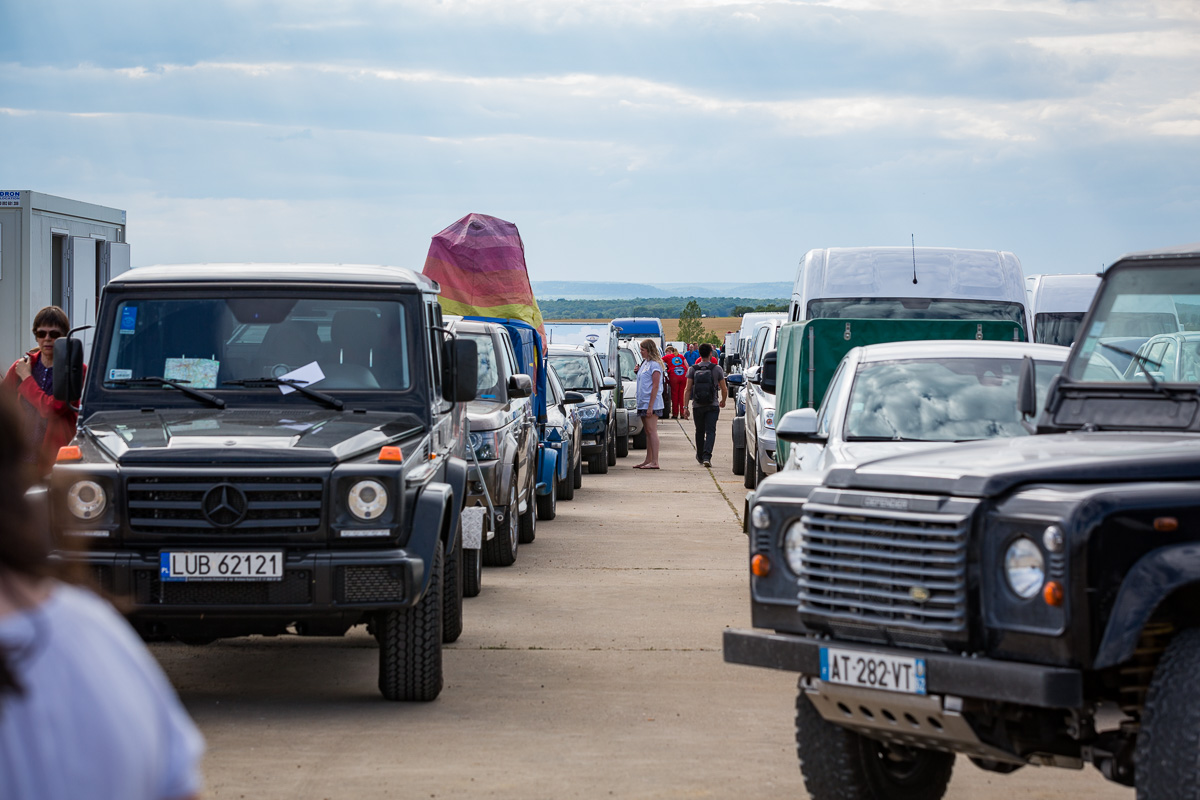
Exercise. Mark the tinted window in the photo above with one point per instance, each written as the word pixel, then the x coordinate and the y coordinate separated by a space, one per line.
pixel 489 368
pixel 915 308
pixel 1059 328
pixel 575 372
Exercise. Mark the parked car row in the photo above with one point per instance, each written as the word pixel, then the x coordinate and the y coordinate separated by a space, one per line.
pixel 983 547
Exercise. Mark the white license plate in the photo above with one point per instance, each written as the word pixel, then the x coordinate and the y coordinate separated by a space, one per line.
pixel 266 565
pixel 873 670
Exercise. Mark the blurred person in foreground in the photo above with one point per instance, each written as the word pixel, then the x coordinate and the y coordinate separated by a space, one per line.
pixel 85 710
pixel 49 423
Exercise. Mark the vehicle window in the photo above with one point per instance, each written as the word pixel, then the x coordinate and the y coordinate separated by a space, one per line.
pixel 510 356
pixel 575 372
pixel 1167 358
pixel 628 364
pixel 488 384
pixel 556 389
pixel 435 348
pixel 915 308
pixel 942 400
pixel 207 341
pixel 1132 306
pixel 760 341
pixel 825 412
pixel 1058 328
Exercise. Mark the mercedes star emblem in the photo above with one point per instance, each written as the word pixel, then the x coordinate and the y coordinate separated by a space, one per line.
pixel 224 505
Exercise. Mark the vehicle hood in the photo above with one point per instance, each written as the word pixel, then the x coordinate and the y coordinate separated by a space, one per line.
pixel 990 468
pixel 486 416
pixel 245 435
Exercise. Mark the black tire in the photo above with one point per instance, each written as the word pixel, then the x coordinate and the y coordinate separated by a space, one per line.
pixel 577 481
pixel 838 764
pixel 639 440
pixel 598 464
pixel 622 446
pixel 610 448
pixel 452 590
pixel 759 474
pixel 566 487
pixel 472 573
pixel 739 453
pixel 501 549
pixel 410 645
pixel 750 470
pixel 527 523
pixel 1168 745
pixel 547 504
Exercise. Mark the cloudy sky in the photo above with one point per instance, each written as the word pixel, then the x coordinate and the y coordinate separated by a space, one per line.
pixel 664 140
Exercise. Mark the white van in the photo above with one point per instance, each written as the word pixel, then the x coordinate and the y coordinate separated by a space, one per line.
pixel 1058 303
pixel 908 283
pixel 751 322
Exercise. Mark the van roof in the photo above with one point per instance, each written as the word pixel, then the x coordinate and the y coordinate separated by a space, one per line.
pixel 888 272
pixel 1058 293
pixel 277 273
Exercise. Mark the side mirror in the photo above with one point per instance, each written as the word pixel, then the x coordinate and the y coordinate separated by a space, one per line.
pixel 571 398
pixel 751 374
pixel 68 373
pixel 463 385
pixel 609 382
pixel 797 426
pixel 734 360
pixel 1027 388
pixel 520 386
pixel 735 380
pixel 766 372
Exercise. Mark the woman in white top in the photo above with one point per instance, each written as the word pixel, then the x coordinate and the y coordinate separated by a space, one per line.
pixel 85 710
pixel 650 399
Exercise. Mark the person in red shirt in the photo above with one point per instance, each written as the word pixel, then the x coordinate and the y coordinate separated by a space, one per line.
pixel 49 423
pixel 676 366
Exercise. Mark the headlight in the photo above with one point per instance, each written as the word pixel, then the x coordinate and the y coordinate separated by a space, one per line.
pixel 630 402
pixel 367 499
pixel 589 412
pixel 793 545
pixel 1024 567
pixel 760 517
pixel 769 418
pixel 486 445
pixel 86 499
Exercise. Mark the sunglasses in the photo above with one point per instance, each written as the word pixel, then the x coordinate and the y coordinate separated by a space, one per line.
pixel 42 334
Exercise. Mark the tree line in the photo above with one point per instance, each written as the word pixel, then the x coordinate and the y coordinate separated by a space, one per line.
pixel 661 307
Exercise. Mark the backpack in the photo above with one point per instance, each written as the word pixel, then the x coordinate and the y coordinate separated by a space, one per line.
pixel 703 386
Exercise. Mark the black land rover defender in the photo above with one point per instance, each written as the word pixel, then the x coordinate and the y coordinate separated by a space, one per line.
pixel 1023 601
pixel 273 448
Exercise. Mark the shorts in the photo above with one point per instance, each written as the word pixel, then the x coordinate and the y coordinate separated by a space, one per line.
pixel 645 412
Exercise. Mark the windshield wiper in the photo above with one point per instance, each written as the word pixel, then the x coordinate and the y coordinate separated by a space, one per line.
pixel 1141 359
pixel 182 386
pixel 299 386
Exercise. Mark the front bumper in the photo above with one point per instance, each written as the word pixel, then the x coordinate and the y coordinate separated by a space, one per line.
pixel 314 583
pixel 766 451
pixel 975 678
pixel 487 477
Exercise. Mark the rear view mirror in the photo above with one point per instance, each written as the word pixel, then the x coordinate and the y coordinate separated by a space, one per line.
pixel 68 373
pixel 766 374
pixel 797 426
pixel 571 398
pixel 519 386
pixel 464 371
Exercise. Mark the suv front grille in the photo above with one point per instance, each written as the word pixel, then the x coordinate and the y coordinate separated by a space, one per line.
pixel 272 505
pixel 880 574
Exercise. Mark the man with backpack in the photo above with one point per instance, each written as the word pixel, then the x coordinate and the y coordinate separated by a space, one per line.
pixel 704 380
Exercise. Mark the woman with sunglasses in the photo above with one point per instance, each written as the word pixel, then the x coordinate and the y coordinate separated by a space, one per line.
pixel 49 423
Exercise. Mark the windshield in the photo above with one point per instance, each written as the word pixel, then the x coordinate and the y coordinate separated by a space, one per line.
pixel 488 382
pixel 915 308
pixel 1058 328
pixel 1134 305
pixel 628 364
pixel 332 343
pixel 942 400
pixel 575 372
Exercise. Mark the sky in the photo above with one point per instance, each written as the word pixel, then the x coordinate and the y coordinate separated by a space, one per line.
pixel 667 140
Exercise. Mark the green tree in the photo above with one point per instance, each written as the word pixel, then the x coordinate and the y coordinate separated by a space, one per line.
pixel 690 329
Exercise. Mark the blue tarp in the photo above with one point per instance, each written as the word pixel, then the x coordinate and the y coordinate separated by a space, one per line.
pixel 527 343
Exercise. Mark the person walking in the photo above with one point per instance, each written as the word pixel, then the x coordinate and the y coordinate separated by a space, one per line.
pixel 85 710
pixel 676 367
pixel 49 423
pixel 704 381
pixel 650 400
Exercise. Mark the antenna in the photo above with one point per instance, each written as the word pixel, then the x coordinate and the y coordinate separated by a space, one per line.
pixel 914 252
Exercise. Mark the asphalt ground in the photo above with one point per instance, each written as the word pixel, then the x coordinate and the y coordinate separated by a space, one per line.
pixel 591 668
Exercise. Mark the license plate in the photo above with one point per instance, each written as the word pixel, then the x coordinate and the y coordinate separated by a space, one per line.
pixel 873 670
pixel 264 565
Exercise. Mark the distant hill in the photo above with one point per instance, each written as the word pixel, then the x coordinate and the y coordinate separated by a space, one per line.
pixel 598 290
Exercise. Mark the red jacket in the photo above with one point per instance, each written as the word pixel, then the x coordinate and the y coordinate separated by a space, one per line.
pixel 59 416
pixel 677 367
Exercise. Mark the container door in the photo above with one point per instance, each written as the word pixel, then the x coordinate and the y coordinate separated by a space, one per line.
pixel 82 289
pixel 114 260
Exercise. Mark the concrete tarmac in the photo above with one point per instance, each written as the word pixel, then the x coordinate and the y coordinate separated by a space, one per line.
pixel 591 668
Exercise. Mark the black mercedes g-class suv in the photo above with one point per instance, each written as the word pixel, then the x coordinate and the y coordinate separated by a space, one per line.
pixel 273 448
pixel 1021 601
